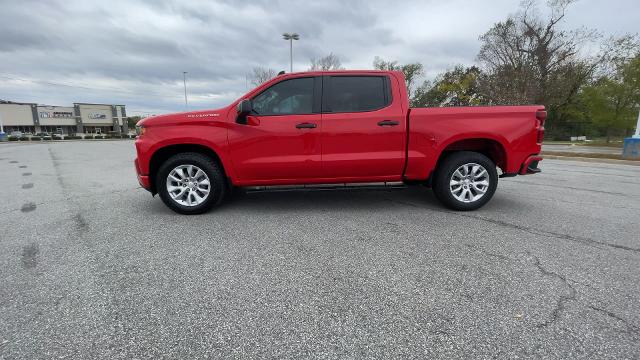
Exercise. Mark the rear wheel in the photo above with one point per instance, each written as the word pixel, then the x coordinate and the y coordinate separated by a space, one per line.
pixel 190 183
pixel 465 180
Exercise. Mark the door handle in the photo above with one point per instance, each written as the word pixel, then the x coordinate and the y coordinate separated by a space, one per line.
pixel 388 123
pixel 306 126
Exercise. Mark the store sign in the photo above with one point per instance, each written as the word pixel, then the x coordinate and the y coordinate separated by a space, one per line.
pixel 97 116
pixel 55 114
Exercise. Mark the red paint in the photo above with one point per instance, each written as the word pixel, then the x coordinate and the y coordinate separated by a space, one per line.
pixel 346 147
pixel 525 165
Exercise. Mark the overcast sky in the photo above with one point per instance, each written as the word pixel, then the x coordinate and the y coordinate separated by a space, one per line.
pixel 133 52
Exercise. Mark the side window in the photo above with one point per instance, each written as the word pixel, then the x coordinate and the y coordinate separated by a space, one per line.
pixel 358 93
pixel 294 96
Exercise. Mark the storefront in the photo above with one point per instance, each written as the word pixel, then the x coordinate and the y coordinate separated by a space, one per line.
pixel 18 117
pixel 30 118
pixel 102 118
pixel 97 129
pixel 57 120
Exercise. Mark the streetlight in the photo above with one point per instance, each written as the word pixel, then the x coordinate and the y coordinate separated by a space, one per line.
pixel 184 80
pixel 291 37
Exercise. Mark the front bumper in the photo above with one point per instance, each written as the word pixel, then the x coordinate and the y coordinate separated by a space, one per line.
pixel 142 179
pixel 530 166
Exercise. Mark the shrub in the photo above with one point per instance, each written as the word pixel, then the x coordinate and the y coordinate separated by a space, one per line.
pixel 12 138
pixel 36 138
pixel 46 138
pixel 24 138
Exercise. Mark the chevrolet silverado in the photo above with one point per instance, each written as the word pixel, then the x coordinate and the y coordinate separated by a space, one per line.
pixel 335 127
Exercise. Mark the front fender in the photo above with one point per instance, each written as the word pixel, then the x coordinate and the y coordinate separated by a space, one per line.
pixel 210 135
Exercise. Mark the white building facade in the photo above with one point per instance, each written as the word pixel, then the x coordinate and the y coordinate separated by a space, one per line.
pixel 81 118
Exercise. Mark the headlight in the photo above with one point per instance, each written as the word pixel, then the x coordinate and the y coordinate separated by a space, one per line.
pixel 140 130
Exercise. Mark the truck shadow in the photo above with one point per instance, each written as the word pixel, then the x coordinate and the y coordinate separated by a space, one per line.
pixel 332 200
pixel 415 198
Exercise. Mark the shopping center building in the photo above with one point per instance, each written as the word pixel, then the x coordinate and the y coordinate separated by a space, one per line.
pixel 81 118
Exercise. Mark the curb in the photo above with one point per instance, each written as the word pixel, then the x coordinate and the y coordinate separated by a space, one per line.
pixel 592 160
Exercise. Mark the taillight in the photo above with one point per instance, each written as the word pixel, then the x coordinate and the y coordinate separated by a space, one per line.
pixel 541 116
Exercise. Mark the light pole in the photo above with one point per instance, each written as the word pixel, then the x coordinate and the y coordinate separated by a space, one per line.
pixel 291 37
pixel 184 80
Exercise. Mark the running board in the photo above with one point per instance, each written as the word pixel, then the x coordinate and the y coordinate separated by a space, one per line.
pixel 324 187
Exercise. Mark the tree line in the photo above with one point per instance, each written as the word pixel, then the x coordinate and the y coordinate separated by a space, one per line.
pixel 589 85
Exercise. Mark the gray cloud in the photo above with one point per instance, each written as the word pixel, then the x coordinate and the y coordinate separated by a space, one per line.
pixel 134 52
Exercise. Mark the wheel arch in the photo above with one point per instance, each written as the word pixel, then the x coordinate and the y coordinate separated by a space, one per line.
pixel 492 148
pixel 162 154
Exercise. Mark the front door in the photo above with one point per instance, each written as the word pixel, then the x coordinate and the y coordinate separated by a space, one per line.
pixel 363 128
pixel 281 141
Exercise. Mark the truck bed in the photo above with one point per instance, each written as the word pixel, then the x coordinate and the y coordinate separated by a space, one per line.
pixel 504 129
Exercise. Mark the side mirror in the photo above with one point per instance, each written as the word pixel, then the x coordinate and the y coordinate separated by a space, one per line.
pixel 244 108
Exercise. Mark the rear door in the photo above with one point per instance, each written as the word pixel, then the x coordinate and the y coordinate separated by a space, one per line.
pixel 281 140
pixel 363 128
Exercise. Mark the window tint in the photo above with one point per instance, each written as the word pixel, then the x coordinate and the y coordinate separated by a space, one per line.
pixel 293 96
pixel 357 93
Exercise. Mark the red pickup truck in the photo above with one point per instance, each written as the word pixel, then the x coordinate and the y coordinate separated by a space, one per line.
pixel 336 127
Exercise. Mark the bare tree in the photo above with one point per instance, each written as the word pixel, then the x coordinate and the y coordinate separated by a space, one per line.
pixel 531 59
pixel 381 64
pixel 260 75
pixel 411 71
pixel 325 63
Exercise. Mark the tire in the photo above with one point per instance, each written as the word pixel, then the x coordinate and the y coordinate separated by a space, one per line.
pixel 185 193
pixel 468 196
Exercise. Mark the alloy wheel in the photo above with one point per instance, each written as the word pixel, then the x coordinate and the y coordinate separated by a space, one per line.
pixel 469 182
pixel 188 185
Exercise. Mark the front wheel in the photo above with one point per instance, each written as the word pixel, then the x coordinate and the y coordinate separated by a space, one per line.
pixel 190 183
pixel 465 180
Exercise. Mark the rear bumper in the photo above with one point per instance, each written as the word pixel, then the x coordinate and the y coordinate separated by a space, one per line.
pixel 530 166
pixel 142 179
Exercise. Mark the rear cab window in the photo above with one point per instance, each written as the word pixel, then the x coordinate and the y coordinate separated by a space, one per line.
pixel 355 93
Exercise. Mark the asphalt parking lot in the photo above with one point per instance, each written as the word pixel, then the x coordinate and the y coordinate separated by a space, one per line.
pixel 93 267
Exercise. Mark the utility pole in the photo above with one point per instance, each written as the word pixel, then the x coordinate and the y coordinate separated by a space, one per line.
pixel 291 37
pixel 184 80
